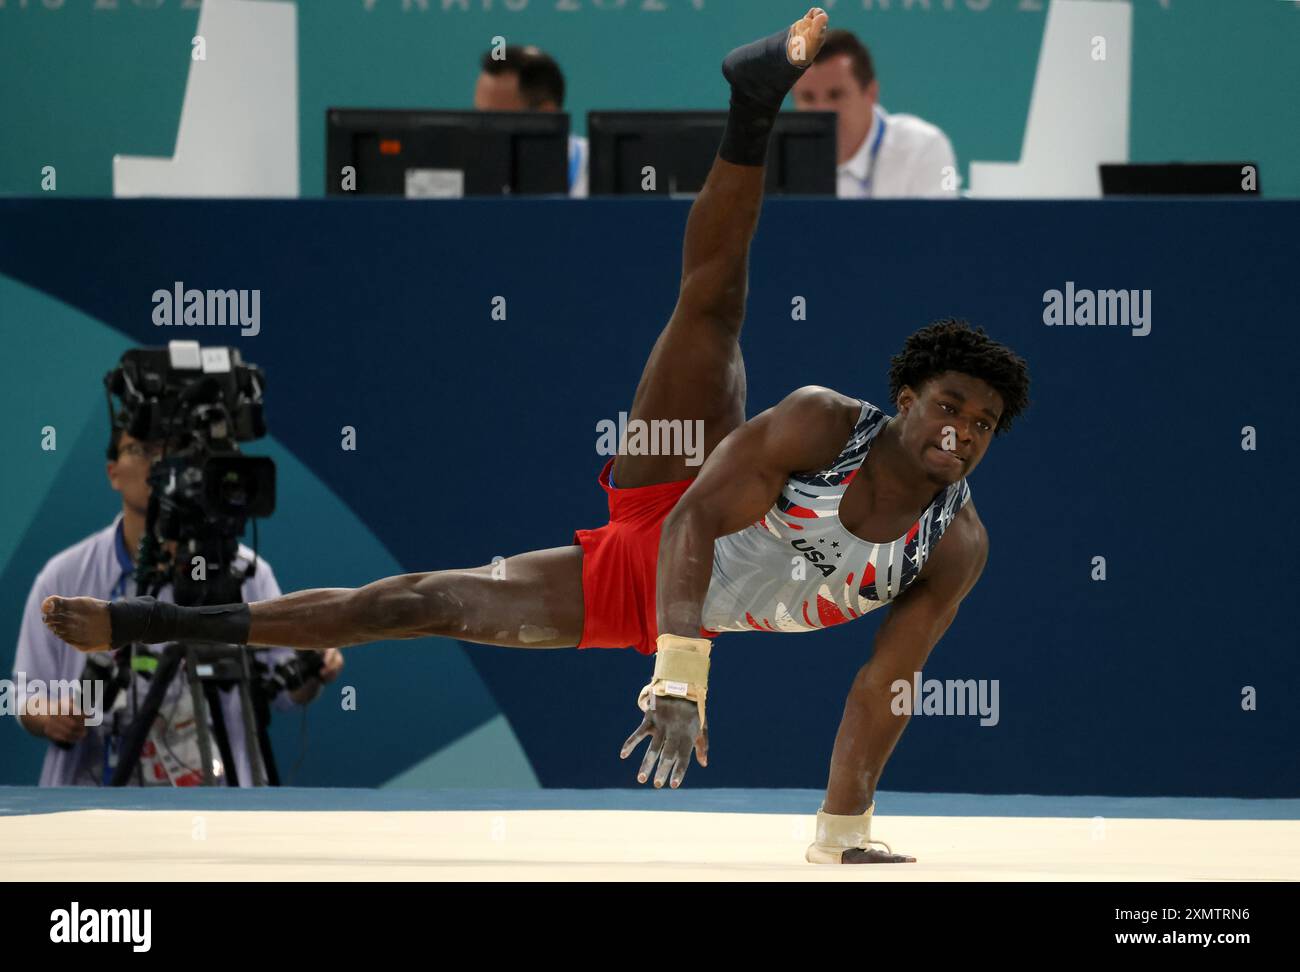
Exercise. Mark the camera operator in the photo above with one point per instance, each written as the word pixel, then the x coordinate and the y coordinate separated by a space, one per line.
pixel 102 565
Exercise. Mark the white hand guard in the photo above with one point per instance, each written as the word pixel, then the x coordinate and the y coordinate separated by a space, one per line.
pixel 837 833
pixel 681 671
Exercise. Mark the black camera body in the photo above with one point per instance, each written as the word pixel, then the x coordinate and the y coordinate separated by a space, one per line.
pixel 200 403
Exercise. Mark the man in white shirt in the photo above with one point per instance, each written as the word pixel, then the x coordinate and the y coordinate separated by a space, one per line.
pixel 103 563
pixel 880 155
pixel 526 78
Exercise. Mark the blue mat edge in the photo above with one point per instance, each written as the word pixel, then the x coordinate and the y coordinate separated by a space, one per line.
pixel 18 801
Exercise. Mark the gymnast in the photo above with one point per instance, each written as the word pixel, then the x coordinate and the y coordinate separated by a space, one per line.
pixel 810 514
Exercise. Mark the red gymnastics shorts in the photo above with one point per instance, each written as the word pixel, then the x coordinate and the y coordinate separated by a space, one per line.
pixel 619 563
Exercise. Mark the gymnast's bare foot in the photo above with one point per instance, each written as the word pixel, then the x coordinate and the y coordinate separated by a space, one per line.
pixel 762 73
pixel 806 36
pixel 82 622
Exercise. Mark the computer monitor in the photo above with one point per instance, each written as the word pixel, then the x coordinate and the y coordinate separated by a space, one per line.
pixel 446 153
pixel 681 146
pixel 1180 179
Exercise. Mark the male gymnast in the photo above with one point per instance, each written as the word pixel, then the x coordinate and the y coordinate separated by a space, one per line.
pixel 876 506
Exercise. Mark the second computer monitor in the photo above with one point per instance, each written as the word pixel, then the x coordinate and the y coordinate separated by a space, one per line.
pixel 671 152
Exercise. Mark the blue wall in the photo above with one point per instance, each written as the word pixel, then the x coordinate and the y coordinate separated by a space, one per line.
pixel 477 438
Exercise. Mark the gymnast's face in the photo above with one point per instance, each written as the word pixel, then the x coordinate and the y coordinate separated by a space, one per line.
pixel 948 424
pixel 129 472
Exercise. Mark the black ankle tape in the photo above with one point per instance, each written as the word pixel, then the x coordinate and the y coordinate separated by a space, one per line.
pixel 760 76
pixel 148 621
pixel 748 131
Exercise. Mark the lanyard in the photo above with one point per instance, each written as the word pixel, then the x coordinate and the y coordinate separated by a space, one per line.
pixel 871 160
pixel 575 162
pixel 109 738
pixel 123 561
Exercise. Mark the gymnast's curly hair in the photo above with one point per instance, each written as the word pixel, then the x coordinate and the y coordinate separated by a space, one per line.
pixel 952 344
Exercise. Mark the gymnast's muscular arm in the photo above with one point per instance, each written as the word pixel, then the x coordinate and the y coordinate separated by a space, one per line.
pixel 736 486
pixel 869 728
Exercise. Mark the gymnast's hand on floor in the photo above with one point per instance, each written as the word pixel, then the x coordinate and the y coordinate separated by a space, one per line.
pixel 672 725
pixel 858 855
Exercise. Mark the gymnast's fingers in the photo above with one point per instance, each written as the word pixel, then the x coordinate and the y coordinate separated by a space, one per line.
pixel 665 765
pixel 634 740
pixel 677 754
pixel 702 747
pixel 682 763
pixel 651 757
pixel 858 855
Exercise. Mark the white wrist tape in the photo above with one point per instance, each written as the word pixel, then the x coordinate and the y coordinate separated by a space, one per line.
pixel 837 833
pixel 681 671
